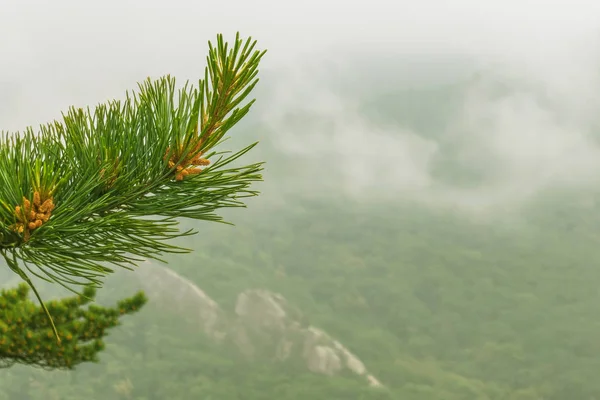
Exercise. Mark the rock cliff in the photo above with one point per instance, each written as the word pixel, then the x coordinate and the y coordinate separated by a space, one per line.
pixel 262 322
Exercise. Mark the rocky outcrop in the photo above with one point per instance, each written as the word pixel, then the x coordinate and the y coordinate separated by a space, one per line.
pixel 269 314
pixel 179 294
pixel 262 322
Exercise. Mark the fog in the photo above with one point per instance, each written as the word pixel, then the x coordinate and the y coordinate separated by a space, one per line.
pixel 389 113
pixel 537 135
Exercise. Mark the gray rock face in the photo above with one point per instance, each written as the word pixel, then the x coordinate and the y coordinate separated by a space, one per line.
pixel 262 322
pixel 179 292
pixel 323 360
pixel 264 312
pixel 261 309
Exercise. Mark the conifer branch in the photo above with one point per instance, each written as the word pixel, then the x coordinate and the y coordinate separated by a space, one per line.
pixel 105 187
pixel 25 337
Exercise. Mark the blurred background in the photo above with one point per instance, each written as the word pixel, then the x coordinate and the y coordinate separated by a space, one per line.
pixel 428 227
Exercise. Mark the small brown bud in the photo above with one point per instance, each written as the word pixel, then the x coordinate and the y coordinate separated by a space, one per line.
pixel 47 206
pixel 194 171
pixel 200 161
pixel 19 213
pixel 36 199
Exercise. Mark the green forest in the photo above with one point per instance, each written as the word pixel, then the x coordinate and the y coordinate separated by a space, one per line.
pixel 438 303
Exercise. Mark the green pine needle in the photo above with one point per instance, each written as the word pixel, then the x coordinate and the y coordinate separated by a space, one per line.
pixel 105 186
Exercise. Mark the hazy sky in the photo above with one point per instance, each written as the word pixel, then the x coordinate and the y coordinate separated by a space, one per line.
pixel 65 52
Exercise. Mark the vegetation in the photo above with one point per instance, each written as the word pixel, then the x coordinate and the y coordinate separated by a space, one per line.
pixel 438 305
pixel 26 336
pixel 106 187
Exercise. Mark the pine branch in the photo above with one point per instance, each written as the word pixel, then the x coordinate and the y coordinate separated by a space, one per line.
pixel 105 187
pixel 26 338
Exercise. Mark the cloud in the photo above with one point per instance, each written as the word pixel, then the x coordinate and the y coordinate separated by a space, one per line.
pixel 537 134
pixel 521 126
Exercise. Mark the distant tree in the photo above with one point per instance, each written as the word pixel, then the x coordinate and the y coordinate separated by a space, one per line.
pixel 26 336
pixel 106 187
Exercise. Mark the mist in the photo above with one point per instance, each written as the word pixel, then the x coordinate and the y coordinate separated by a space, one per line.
pixel 427 227
pixel 534 133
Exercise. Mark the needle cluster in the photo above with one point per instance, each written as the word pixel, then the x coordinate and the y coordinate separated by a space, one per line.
pixel 106 186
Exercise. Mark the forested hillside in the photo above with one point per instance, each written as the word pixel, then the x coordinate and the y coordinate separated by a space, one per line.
pixel 440 303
